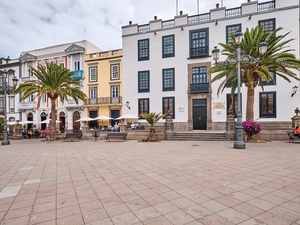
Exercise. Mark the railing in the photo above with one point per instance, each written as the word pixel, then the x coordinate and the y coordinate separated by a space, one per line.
pixel 144 28
pixel 168 23
pixel 200 51
pixel 233 12
pixel 199 88
pixel 265 6
pixel 78 74
pixel 23 79
pixel 27 105
pixel 104 101
pixel 199 18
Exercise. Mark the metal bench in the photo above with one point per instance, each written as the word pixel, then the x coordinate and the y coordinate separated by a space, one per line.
pixel 77 135
pixel 292 136
pixel 116 135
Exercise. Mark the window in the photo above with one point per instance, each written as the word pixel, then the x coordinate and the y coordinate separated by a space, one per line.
pixel 232 29
pixel 1 103
pixel 169 106
pixel 115 91
pixel 143 105
pixel 93 96
pixel 271 82
pixel 199 75
pixel 1 81
pixel 232 104
pixel 269 25
pixel 93 74
pixel 199 43
pixel 144 83
pixel 114 72
pixel 43 98
pixel 11 104
pixel 76 65
pixel 168 80
pixel 168 46
pixel 30 98
pixel 267 104
pixel 143 49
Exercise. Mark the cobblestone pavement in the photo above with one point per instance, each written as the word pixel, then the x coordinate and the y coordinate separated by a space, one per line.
pixel 161 183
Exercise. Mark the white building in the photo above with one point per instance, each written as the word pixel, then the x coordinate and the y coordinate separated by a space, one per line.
pixel 165 65
pixel 12 67
pixel 71 55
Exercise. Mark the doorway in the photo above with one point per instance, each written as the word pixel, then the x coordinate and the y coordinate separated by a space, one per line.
pixel 62 122
pixel 76 116
pixel 93 123
pixel 199 114
pixel 114 114
pixel 43 117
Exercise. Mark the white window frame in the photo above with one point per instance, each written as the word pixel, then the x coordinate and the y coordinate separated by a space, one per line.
pixel 93 74
pixel 93 93
pixel 115 91
pixel 2 103
pixel 114 71
pixel 11 104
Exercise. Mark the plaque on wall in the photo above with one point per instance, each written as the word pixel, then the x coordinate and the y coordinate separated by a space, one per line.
pixel 219 105
pixel 181 109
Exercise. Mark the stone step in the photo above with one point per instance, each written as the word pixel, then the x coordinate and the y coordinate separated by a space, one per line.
pixel 189 136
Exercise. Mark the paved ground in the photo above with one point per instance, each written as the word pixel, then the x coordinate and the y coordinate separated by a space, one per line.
pixel 159 183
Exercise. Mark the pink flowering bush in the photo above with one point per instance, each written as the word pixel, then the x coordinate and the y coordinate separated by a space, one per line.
pixel 251 128
pixel 47 132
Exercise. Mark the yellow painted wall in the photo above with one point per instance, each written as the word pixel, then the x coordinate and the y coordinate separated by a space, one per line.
pixel 103 61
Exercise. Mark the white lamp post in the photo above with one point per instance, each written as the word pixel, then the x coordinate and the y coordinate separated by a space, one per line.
pixel 6 89
pixel 239 143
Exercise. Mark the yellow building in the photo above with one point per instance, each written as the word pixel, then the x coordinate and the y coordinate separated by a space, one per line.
pixel 103 86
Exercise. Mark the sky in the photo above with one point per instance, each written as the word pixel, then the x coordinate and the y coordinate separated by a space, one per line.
pixel 32 24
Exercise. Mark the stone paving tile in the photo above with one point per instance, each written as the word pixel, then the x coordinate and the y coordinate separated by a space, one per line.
pixel 271 219
pixel 233 216
pixel 179 217
pixel 95 215
pixel 125 219
pixel 157 221
pixel 146 213
pixel 73 220
pixel 215 219
pixel 248 210
pixel 214 206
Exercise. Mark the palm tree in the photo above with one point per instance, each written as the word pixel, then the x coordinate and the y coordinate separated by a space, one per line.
pixel 278 60
pixel 55 81
pixel 152 118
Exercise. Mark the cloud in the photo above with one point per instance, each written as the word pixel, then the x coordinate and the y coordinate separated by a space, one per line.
pixel 34 24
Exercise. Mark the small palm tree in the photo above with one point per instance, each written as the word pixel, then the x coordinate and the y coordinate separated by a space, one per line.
pixel 56 82
pixel 152 118
pixel 278 60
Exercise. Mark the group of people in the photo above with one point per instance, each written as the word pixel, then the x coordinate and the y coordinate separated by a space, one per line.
pixel 33 133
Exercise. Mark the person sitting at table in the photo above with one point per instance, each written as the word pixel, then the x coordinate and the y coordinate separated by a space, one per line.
pixel 109 127
pixel 24 134
pixel 297 131
pixel 116 127
pixel 29 133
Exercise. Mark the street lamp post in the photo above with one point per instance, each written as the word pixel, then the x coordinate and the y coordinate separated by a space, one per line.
pixel 239 143
pixel 6 89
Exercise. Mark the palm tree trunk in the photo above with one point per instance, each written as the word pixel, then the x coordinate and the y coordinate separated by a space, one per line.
pixel 250 104
pixel 53 118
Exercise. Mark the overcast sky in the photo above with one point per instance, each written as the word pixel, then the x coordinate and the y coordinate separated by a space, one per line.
pixel 32 24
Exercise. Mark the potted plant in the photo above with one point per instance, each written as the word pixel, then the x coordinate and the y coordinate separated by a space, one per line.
pixel 251 128
pixel 47 134
pixel 152 118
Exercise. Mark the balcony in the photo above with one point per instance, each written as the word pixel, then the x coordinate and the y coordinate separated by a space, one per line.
pixel 23 79
pixel 27 105
pixel 104 101
pixel 199 52
pixel 199 88
pixel 78 74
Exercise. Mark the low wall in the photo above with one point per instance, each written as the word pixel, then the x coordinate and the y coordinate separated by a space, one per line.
pixel 274 131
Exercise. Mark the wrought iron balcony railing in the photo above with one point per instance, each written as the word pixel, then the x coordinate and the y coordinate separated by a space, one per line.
pixel 199 88
pixel 198 52
pixel 104 101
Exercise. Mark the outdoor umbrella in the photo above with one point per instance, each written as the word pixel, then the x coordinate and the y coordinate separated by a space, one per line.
pixel 84 119
pixel 49 120
pixel 127 116
pixel 102 117
pixel 20 122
